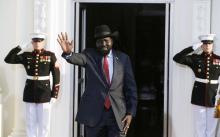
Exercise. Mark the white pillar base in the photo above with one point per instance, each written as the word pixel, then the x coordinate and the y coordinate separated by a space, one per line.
pixel 18 133
pixel 0 113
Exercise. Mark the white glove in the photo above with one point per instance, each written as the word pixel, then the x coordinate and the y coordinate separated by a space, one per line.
pixel 53 100
pixel 24 45
pixel 196 45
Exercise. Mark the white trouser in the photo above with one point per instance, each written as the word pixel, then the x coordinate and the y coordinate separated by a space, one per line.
pixel 37 119
pixel 204 122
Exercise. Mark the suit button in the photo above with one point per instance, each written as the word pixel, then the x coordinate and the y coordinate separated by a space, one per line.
pixel 37 55
pixel 36 65
pixel 36 61
pixel 36 73
pixel 36 69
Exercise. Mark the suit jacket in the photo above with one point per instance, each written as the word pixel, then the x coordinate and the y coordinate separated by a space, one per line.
pixel 204 67
pixel 122 91
pixel 37 64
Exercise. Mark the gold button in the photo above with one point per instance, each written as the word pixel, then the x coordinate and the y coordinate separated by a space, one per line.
pixel 207 73
pixel 36 73
pixel 207 68
pixel 36 61
pixel 37 55
pixel 36 65
pixel 36 69
pixel 37 58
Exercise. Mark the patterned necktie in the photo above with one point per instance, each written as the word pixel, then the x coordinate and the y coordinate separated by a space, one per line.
pixel 106 71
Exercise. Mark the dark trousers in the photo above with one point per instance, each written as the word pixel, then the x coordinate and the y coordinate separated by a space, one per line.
pixel 107 127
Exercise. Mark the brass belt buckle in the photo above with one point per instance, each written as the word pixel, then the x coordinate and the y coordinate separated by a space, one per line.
pixel 35 77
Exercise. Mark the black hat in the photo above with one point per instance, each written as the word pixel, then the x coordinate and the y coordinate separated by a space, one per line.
pixel 103 31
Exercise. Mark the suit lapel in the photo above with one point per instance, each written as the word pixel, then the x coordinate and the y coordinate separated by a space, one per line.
pixel 100 70
pixel 117 68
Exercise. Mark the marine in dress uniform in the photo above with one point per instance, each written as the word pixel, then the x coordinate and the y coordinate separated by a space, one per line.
pixel 206 67
pixel 37 94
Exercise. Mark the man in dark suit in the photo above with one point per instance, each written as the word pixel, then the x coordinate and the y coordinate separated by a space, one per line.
pixel 110 99
pixel 37 95
pixel 206 67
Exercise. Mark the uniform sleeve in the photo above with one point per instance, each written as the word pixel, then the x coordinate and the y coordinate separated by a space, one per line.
pixel 55 69
pixel 13 57
pixel 130 88
pixel 183 57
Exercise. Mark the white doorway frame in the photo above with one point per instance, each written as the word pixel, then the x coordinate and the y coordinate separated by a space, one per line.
pixel 168 44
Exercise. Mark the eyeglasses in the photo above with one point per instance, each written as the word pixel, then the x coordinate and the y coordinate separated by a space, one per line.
pixel 37 39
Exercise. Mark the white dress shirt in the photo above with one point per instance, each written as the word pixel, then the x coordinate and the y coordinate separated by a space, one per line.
pixel 110 64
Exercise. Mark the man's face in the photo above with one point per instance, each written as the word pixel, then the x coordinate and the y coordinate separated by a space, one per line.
pixel 104 45
pixel 207 47
pixel 38 44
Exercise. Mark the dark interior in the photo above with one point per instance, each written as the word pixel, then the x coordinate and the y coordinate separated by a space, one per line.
pixel 142 37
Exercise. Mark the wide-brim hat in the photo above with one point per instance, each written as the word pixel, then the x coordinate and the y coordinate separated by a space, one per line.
pixel 207 37
pixel 103 31
pixel 38 35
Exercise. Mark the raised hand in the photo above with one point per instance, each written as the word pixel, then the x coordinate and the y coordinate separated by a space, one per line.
pixel 53 100
pixel 65 45
pixel 24 45
pixel 197 45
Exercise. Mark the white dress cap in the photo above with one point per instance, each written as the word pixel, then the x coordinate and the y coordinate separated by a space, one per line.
pixel 38 35
pixel 209 37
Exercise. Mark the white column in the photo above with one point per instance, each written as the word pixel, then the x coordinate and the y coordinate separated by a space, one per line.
pixel 40 15
pixel 61 19
pixel 215 28
pixel 191 18
pixel 0 111
pixel 19 124
pixel 201 22
pixel 24 26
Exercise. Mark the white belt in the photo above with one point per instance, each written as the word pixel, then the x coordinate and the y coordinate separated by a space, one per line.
pixel 38 77
pixel 206 81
